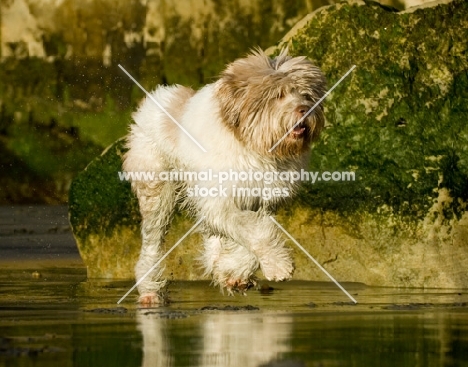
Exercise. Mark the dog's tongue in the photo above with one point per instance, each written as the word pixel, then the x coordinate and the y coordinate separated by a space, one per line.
pixel 298 130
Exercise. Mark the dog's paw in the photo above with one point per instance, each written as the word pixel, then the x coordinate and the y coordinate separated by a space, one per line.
pixel 277 270
pixel 152 300
pixel 239 286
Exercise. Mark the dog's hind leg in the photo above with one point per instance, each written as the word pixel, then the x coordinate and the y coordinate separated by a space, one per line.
pixel 157 203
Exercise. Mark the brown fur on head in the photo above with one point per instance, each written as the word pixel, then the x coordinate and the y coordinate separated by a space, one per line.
pixel 262 98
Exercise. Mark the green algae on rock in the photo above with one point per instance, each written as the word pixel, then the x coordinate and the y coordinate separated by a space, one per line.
pixel 399 122
pixel 104 216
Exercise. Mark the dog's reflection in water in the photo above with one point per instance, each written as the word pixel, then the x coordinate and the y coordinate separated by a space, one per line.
pixel 222 339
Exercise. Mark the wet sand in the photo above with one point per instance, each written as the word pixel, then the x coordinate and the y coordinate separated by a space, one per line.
pixel 37 236
pixel 52 315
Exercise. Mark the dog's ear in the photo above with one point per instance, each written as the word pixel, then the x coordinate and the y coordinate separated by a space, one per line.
pixel 239 83
pixel 229 91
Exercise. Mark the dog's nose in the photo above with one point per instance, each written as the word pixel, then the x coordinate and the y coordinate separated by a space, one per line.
pixel 302 110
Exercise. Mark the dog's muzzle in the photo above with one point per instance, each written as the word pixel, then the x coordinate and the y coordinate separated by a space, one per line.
pixel 301 130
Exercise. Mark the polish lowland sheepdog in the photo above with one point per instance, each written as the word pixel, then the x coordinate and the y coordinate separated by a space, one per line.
pixel 235 121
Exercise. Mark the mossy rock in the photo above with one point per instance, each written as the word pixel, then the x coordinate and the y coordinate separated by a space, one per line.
pixel 104 216
pixel 400 119
pixel 398 122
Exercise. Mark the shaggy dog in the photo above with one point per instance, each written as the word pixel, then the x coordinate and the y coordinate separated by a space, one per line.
pixel 237 120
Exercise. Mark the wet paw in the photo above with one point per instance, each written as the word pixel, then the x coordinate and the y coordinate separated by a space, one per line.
pixel 239 286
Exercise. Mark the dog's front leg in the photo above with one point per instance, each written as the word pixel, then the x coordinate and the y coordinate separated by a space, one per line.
pixel 257 233
pixel 232 266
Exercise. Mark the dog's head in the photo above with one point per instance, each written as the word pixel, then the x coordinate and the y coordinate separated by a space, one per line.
pixel 261 99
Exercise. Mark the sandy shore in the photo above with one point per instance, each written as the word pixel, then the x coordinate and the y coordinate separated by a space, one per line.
pixel 37 236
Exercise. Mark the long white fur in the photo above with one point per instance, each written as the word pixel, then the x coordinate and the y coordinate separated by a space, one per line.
pixel 239 237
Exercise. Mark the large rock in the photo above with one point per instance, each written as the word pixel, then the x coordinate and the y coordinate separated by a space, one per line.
pixel 399 121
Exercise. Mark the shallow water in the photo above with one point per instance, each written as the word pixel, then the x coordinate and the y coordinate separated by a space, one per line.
pixel 58 318
pixel 51 315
